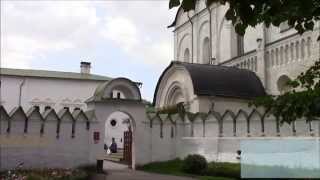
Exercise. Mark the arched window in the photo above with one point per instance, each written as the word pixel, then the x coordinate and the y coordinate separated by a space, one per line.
pixel 302 49
pixel 277 56
pixel 286 54
pixel 267 59
pixel 240 45
pixel 206 51
pixel 282 84
pixel 186 56
pixel 281 55
pixel 292 51
pixel 272 58
pixel 309 46
pixel 297 50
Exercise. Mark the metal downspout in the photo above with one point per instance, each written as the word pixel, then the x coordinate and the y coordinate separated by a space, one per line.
pixel 210 31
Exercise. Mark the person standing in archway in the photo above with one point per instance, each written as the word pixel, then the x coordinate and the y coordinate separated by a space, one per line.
pixel 113 146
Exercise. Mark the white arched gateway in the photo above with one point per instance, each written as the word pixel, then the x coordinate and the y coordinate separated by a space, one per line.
pixel 107 107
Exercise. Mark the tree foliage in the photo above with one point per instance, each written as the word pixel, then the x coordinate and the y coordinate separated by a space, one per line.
pixel 303 100
pixel 300 14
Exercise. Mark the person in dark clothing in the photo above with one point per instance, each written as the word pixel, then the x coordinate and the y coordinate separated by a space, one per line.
pixel 113 146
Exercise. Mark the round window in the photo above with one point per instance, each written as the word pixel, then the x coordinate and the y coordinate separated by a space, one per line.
pixel 113 122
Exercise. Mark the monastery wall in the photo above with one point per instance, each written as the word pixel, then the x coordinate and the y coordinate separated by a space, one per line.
pixel 50 142
pixel 218 136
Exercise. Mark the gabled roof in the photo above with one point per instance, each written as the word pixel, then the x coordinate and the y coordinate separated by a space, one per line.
pixel 77 113
pixel 52 74
pixel 222 81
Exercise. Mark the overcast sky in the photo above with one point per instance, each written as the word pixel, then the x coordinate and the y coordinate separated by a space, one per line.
pixel 120 38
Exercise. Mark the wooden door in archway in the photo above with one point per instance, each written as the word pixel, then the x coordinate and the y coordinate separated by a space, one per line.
pixel 127 147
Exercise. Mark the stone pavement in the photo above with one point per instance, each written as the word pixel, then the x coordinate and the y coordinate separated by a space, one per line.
pixel 117 171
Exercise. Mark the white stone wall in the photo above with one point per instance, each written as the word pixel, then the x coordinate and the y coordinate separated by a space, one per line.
pixel 39 143
pixel 218 136
pixel 57 93
pixel 274 45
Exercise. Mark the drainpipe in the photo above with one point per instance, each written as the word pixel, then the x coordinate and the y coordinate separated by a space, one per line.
pixel 191 37
pixel 20 91
pixel 210 31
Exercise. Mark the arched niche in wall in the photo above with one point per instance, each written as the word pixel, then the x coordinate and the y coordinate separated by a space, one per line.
pixel 174 86
pixel 282 84
pixel 198 127
pixel 179 125
pixel 241 122
pixel 4 120
pixel 186 55
pixel 35 121
pixel 228 124
pixel 212 127
pixel 250 39
pixel 18 121
pixel 270 125
pixel 206 51
pixel 175 94
pixel 184 48
pixel 203 43
pixel 255 123
pixel 224 41
pixel 230 44
pixel 302 127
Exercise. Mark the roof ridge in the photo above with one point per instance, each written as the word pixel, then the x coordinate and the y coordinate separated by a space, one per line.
pixel 52 74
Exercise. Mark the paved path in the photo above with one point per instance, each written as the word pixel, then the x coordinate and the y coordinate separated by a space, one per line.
pixel 108 165
pixel 140 175
pixel 117 171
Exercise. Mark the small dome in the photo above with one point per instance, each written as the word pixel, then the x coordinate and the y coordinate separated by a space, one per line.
pixel 129 89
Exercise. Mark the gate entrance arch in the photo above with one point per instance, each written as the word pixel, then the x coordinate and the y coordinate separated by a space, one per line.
pixel 120 96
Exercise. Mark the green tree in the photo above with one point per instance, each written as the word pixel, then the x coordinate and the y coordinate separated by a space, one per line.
pixel 300 14
pixel 302 100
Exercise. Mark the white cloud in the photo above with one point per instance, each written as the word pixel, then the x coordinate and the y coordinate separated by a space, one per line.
pixel 122 31
pixel 140 29
pixel 32 29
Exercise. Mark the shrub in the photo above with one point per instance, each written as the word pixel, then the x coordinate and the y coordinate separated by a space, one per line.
pixel 195 164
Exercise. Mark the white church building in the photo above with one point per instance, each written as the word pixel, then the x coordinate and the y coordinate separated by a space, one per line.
pixel 68 117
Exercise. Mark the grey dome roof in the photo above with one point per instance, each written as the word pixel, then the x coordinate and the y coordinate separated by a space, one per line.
pixel 223 81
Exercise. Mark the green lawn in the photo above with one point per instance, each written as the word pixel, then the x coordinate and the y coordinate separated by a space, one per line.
pixel 173 167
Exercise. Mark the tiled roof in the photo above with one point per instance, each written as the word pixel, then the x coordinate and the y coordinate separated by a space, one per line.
pixel 52 74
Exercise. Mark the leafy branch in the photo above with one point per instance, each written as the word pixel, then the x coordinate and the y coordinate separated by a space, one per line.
pixel 301 101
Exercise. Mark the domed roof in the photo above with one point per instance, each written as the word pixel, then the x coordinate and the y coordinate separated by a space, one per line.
pixel 129 87
pixel 223 81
